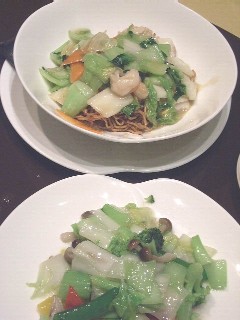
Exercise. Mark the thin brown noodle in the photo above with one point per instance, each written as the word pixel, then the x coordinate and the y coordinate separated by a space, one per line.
pixel 137 123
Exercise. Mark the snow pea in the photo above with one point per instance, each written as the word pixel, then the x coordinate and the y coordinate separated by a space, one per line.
pixel 92 310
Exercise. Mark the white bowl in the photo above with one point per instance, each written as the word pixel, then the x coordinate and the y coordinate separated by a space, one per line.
pixel 197 41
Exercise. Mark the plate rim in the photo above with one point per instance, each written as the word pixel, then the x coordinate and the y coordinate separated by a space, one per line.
pixel 8 75
pixel 114 179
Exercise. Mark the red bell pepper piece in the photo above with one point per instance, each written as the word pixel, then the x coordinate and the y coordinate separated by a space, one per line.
pixel 73 299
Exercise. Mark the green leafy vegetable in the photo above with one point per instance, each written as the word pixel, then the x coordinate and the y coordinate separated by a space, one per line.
pixel 127 302
pixel 151 103
pixel 99 66
pixel 50 275
pixel 151 238
pixel 131 108
pixel 119 215
pixel 199 251
pixel 78 280
pixel 77 97
pixel 78 35
pixel 149 42
pixel 197 292
pixel 150 199
pixel 119 243
pixel 217 274
pixel 130 35
pixel 56 76
pixel 180 87
pixel 167 115
pixel 122 60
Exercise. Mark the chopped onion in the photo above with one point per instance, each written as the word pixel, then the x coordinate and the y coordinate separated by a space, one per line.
pixel 108 103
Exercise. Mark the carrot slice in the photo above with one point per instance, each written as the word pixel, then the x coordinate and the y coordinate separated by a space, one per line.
pixel 76 122
pixel 76 71
pixel 76 56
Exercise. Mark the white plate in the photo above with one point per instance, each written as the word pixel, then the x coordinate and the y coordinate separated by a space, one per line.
pixel 197 41
pixel 82 153
pixel 31 234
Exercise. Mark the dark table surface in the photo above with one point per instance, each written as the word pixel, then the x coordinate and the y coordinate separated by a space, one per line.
pixel 23 171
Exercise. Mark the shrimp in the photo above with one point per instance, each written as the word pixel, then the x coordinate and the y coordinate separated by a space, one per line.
pixel 125 84
pixel 141 91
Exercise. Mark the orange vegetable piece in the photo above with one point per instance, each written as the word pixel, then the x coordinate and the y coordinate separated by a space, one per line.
pixel 76 122
pixel 76 71
pixel 76 56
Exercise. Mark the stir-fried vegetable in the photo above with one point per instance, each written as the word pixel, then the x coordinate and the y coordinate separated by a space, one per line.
pixel 92 310
pixel 125 264
pixel 133 73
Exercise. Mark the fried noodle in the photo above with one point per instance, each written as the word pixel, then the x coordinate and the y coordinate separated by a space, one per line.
pixel 137 123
